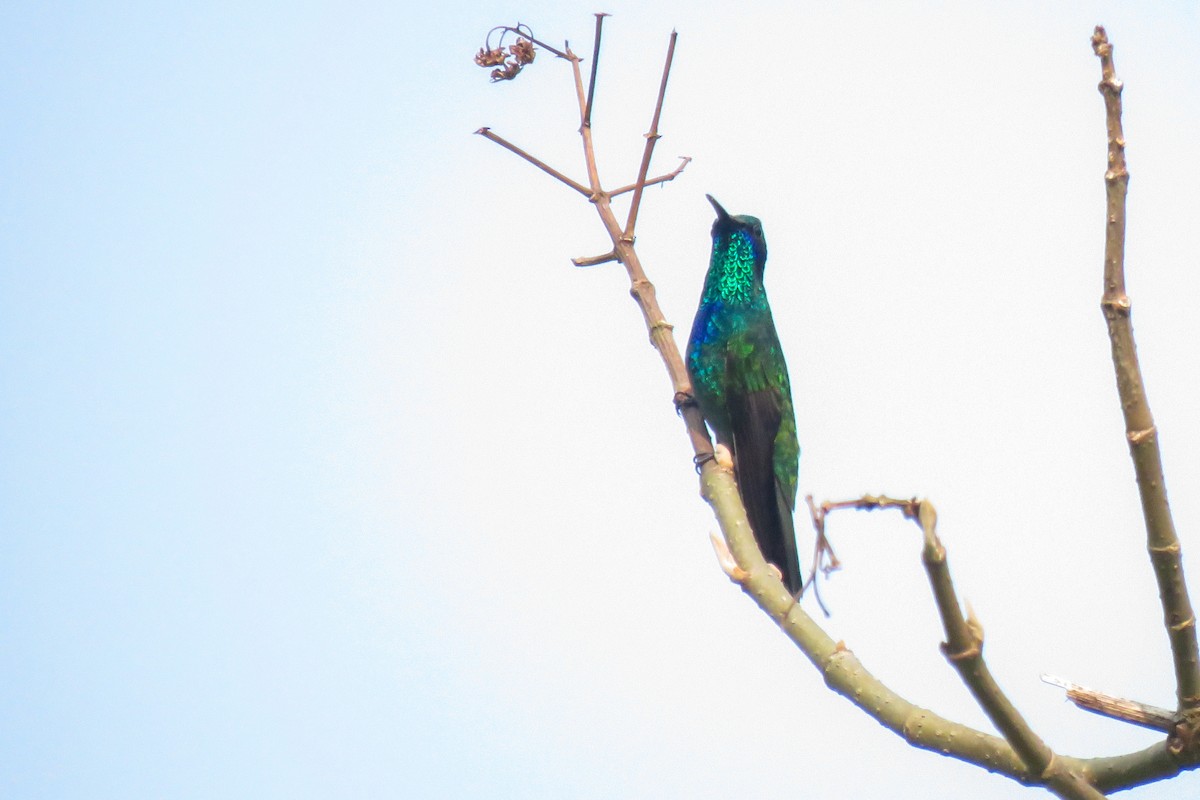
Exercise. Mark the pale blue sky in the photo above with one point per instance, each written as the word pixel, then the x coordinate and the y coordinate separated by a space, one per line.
pixel 324 474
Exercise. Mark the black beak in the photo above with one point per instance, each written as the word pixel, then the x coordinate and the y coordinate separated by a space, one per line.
pixel 722 215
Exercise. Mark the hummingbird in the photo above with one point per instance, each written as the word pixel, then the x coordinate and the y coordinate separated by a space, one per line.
pixel 740 382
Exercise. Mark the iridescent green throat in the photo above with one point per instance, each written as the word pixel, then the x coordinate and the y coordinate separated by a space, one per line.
pixel 731 273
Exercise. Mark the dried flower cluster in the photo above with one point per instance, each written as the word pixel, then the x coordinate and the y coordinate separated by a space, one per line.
pixel 508 63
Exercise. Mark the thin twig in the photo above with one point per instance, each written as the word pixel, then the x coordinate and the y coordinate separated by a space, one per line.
pixel 587 113
pixel 651 137
pixel 487 134
pixel 810 583
pixel 592 261
pixel 585 130
pixel 670 176
pixel 1113 707
pixel 1166 555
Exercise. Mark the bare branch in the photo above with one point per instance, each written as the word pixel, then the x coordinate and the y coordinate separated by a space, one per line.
pixel 487 134
pixel 587 112
pixel 670 176
pixel 651 137
pixel 592 261
pixel 1107 705
pixel 585 130
pixel 1166 555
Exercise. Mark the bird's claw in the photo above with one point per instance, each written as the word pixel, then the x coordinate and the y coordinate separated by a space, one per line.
pixel 730 566
pixel 725 559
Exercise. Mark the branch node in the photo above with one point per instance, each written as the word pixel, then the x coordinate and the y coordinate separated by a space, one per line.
pixel 1117 305
pixel 1139 437
pixel 683 400
pixel 975 650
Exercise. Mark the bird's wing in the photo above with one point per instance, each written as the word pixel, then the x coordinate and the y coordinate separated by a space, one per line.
pixel 755 418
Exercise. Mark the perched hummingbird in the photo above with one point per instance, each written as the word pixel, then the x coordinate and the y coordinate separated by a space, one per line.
pixel 741 384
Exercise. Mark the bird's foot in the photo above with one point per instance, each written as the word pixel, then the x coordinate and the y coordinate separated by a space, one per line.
pixel 725 559
pixel 720 454
pixel 723 456
pixel 730 566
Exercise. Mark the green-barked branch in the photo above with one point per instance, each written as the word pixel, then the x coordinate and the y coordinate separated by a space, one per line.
pixel 1141 433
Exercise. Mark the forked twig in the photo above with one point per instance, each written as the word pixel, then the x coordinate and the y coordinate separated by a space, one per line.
pixel 963 648
pixel 670 176
pixel 642 290
pixel 824 560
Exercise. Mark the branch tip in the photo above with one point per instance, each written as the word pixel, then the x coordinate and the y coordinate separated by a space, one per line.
pixel 1113 707
pixel 593 261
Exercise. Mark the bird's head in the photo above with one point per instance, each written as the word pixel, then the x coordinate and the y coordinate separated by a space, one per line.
pixel 727 225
